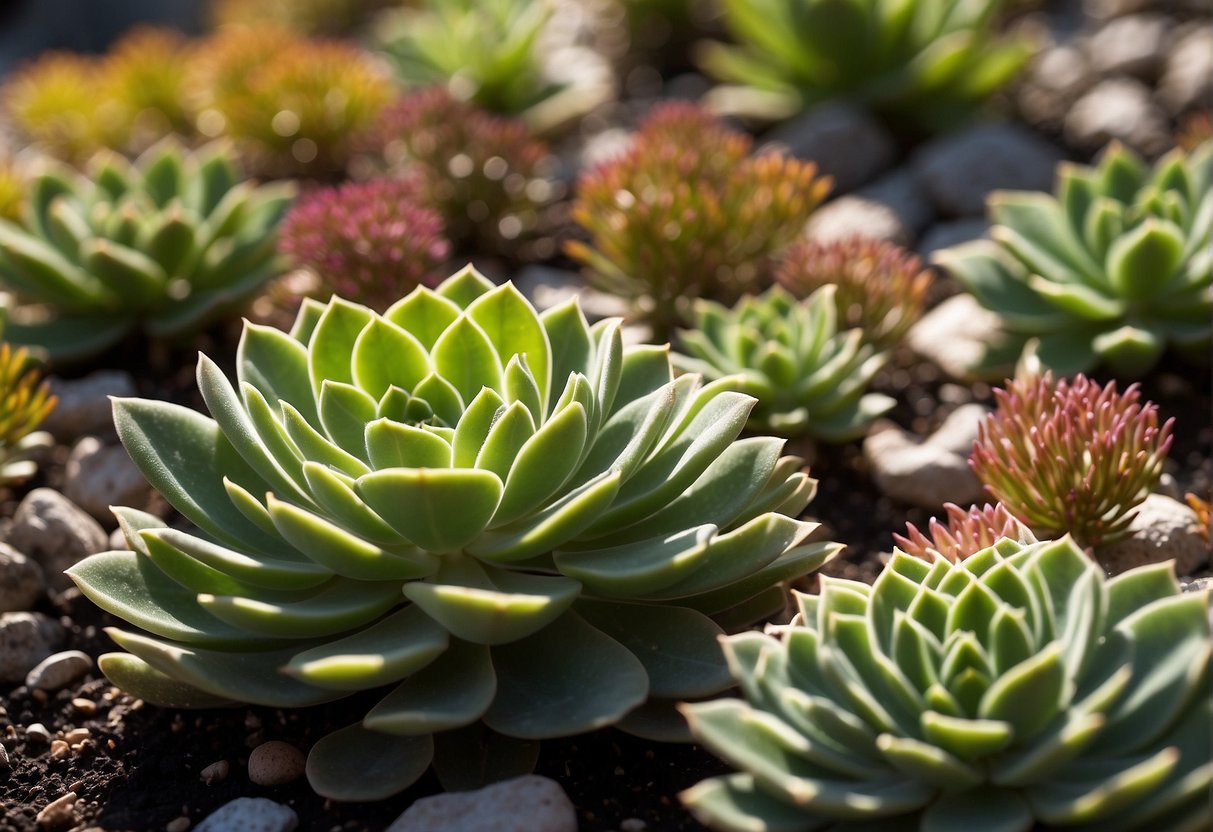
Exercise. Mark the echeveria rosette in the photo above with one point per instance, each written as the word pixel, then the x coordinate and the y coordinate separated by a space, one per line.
pixel 1110 271
pixel 528 529
pixel 809 378
pixel 1017 689
pixel 168 245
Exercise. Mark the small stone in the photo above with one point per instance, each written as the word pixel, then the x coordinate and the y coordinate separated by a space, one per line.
pixel 215 773
pixel 632 825
pixel 99 476
pixel 524 804
pixel 931 471
pixel 961 169
pixel 1197 585
pixel 901 191
pixel 26 638
pixel 59 670
pixel 54 531
pixel 250 814
pixel 37 732
pixel 117 541
pixel 950 233
pixel 1187 80
pixel 21 580
pixel 850 216
pixel 4 762
pixel 274 763
pixel 1132 45
pixel 1164 529
pixel 84 407
pixel 844 141
pixel 59 813
pixel 84 707
pixel 77 735
pixel 60 749
pixel 546 287
pixel 955 335
pixel 1118 108
pixel 177 824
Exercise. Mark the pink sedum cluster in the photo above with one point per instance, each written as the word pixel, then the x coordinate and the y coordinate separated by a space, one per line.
pixel 965 533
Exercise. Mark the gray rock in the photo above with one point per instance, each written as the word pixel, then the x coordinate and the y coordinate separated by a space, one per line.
pixel 955 334
pixel 546 287
pixel 1164 529
pixel 26 638
pixel 1132 45
pixel 943 235
pixel 845 141
pixel 59 670
pixel 1118 108
pixel 853 215
pixel 930 471
pixel 1055 79
pixel 1187 80
pixel 905 195
pixel 1198 585
pixel 52 530
pixel 959 170
pixel 21 580
pixel 524 804
pixel 84 407
pixel 99 476
pixel 250 814
pixel 274 763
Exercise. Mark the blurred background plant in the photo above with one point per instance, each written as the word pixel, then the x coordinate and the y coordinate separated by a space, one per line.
pixel 25 400
pixel 14 182
pixel 306 17
pixel 686 212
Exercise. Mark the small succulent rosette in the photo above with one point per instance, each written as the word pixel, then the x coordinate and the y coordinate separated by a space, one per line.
pixel 166 245
pixel 1109 272
pixel 809 378
pixel 512 525
pixel 1017 689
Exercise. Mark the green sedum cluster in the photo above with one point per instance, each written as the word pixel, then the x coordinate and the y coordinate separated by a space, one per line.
pixel 1110 271
pixel 25 400
pixel 523 528
pixel 166 245
pixel 809 378
pixel 1018 689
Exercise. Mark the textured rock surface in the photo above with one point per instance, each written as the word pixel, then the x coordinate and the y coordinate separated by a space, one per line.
pixel 52 530
pixel 250 814
pixel 84 407
pixel 524 804
pixel 58 670
pixel 1164 529
pixel 100 476
pixel 954 335
pixel 26 638
pixel 274 763
pixel 21 580
pixel 931 471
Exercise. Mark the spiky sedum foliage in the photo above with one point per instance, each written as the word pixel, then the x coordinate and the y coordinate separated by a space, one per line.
pixel 1195 130
pixel 1070 456
pixel 1017 689
pixel 292 103
pixel 686 212
pixel 308 17
pixel 166 245
pixel 881 287
pixel 145 72
pixel 966 533
pixel 924 64
pixel 25 400
pixel 487 175
pixel 370 242
pixel 528 529
pixel 1111 271
pixel 1204 516
pixel 809 378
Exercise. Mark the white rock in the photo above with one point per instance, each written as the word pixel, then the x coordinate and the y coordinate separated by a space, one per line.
pixel 844 141
pixel 274 763
pixel 955 335
pixel 1057 76
pixel 26 638
pixel 250 814
pixel 546 287
pixel 58 670
pixel 524 804
pixel 853 215
pixel 1131 45
pixel 21 580
pixel 1118 108
pixel 84 406
pixel 960 169
pixel 100 476
pixel 1187 80
pixel 54 531
pixel 931 471
pixel 1164 529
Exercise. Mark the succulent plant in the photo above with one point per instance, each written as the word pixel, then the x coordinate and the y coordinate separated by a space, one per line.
pixel 1017 689
pixel 966 533
pixel 1109 272
pixel 370 242
pixel 528 529
pixel 487 175
pixel 308 17
pixel 809 378
pixel 686 212
pixel 293 104
pixel 1070 456
pixel 145 74
pixel 881 287
pixel 25 400
pixel 1204 517
pixel 53 101
pixel 167 244
pixel 14 182
pixel 925 65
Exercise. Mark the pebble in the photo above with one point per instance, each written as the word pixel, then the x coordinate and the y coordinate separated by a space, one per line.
pixel 60 749
pixel 1117 108
pixel 901 191
pixel 215 773
pixel 930 471
pixel 960 169
pixel 21 580
pixel 845 142
pixel 37 732
pixel 77 735
pixel 1164 529
pixel 177 824
pixel 853 215
pixel 546 287
pixel 4 763
pixel 117 541
pixel 26 638
pixel 274 763
pixel 524 804
pixel 59 670
pixel 951 233
pixel 1131 45
pixel 84 407
pixel 1056 78
pixel 59 813
pixel 955 335
pixel 1187 80
pixel 99 476
pixel 84 707
pixel 250 814
pixel 54 531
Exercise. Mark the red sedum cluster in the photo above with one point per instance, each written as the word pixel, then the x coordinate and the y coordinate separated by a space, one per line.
pixel 966 533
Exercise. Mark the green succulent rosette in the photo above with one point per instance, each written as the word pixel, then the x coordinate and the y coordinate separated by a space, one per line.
pixel 1017 689
pixel 1110 271
pixel 167 245
pixel 809 378
pixel 516 527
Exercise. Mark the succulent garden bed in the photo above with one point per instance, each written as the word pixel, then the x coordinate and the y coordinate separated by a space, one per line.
pixel 414 528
